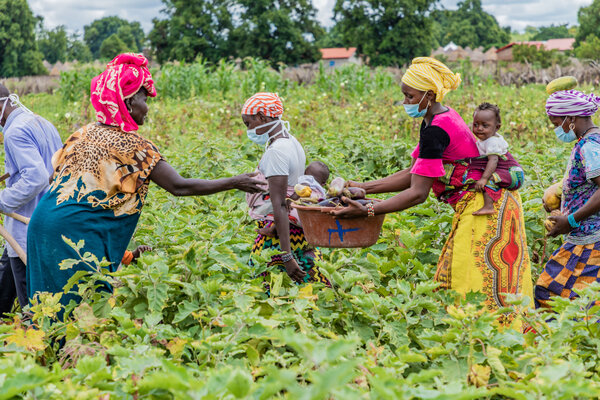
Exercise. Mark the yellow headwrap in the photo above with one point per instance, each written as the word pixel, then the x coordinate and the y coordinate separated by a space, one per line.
pixel 427 73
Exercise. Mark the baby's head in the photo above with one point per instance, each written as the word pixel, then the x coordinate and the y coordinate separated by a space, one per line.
pixel 486 120
pixel 319 170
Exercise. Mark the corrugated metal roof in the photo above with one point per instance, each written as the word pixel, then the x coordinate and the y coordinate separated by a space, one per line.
pixel 337 52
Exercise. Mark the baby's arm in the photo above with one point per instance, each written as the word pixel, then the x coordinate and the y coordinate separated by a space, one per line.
pixel 490 168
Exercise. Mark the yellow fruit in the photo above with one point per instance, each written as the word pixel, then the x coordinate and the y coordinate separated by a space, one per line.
pixel 302 190
pixel 552 196
pixel 562 83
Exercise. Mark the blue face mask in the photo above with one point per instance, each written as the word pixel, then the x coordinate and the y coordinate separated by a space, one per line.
pixel 564 136
pixel 261 140
pixel 413 109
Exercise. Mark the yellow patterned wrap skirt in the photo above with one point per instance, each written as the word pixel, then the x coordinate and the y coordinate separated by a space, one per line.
pixel 488 253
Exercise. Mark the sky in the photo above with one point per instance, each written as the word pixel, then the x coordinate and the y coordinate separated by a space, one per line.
pixel 517 14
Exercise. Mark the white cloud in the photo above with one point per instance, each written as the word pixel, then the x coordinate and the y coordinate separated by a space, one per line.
pixel 325 9
pixel 75 14
pixel 517 14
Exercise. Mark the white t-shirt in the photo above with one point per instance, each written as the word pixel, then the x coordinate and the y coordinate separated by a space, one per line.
pixel 492 145
pixel 285 156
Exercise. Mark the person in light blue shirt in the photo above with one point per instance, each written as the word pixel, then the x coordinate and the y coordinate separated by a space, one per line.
pixel 30 141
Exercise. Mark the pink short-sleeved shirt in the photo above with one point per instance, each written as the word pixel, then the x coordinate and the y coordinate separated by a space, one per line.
pixel 447 138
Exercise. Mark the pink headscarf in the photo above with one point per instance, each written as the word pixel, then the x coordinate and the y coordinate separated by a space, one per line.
pixel 125 75
pixel 267 103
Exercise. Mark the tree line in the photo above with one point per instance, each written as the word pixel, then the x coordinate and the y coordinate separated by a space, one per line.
pixel 284 32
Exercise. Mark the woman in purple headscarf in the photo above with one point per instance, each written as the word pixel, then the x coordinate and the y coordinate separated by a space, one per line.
pixel 576 263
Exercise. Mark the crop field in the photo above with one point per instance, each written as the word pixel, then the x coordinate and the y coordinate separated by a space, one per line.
pixel 191 319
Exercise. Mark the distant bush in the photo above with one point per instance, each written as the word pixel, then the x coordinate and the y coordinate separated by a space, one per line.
pixel 540 58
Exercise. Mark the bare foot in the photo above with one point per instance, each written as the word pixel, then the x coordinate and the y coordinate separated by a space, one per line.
pixel 485 211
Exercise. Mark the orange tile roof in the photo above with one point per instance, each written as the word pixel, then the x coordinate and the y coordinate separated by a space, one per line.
pixel 560 44
pixel 337 52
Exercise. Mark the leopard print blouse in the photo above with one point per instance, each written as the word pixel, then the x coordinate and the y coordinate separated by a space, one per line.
pixel 105 167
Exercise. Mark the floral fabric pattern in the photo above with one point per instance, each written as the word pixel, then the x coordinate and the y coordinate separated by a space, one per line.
pixel 578 188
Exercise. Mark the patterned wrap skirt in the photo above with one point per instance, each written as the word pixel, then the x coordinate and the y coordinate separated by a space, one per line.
pixel 304 253
pixel 571 268
pixel 488 253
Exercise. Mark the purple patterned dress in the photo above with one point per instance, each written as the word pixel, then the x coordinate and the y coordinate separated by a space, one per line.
pixel 576 263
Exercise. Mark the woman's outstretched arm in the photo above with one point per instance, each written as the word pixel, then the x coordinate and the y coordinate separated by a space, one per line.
pixel 165 176
pixel 416 194
pixel 394 183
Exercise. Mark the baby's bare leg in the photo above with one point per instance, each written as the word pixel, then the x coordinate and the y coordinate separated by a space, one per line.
pixel 488 206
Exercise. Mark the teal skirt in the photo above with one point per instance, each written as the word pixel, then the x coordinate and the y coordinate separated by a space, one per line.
pixel 104 234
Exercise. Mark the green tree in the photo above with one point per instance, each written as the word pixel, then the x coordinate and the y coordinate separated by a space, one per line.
pixel 589 22
pixel 281 31
pixel 19 54
pixel 53 44
pixel 541 57
pixel 388 34
pixel 552 32
pixel 470 26
pixel 113 46
pixel 589 49
pixel 193 28
pixel 77 50
pixel 332 38
pixel 130 33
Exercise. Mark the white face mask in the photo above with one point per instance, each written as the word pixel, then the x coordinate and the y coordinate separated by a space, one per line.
pixel 14 101
pixel 264 138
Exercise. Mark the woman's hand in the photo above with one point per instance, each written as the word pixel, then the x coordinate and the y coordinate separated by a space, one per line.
pixel 355 184
pixel 294 271
pixel 138 252
pixel 247 183
pixel 354 209
pixel 561 225
pixel 270 231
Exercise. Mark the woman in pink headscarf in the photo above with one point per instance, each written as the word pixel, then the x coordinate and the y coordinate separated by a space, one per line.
pixel 101 178
pixel 576 263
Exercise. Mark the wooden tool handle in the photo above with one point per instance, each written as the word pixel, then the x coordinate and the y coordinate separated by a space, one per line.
pixel 18 217
pixel 13 243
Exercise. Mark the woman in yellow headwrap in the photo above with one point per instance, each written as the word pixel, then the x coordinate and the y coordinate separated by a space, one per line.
pixel 484 253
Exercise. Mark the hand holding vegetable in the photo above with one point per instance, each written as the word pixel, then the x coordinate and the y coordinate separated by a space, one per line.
pixel 355 184
pixel 354 209
pixel 139 250
pixel 561 225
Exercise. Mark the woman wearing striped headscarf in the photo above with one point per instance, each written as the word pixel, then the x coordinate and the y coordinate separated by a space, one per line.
pixel 485 253
pixel 101 178
pixel 282 164
pixel 576 263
